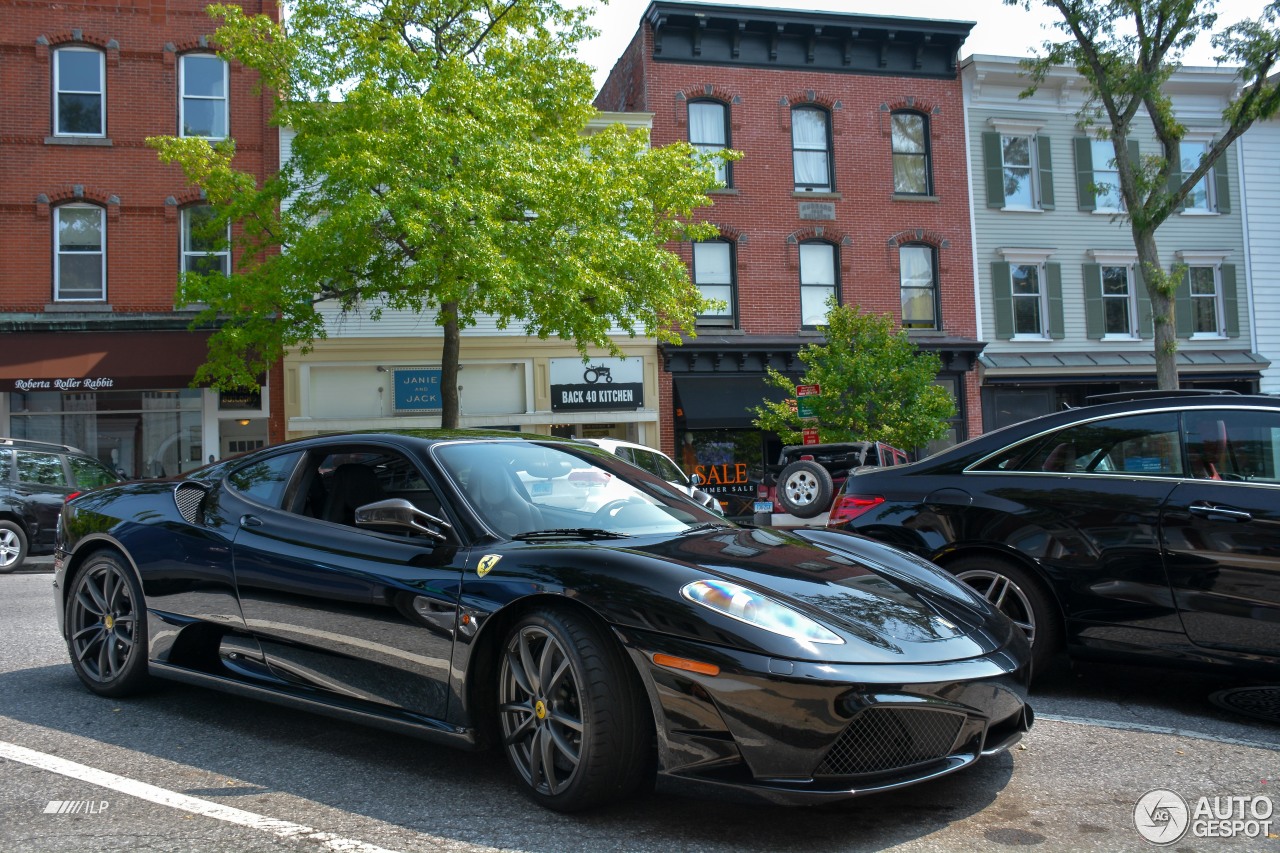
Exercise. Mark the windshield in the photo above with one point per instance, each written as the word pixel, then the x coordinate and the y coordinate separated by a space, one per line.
pixel 521 487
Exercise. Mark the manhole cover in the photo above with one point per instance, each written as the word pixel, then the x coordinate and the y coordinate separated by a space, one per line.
pixel 1262 703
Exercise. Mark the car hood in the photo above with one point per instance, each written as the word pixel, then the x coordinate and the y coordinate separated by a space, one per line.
pixel 888 606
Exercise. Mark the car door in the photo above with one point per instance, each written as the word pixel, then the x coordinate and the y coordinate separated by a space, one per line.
pixel 360 614
pixel 1222 534
pixel 42 485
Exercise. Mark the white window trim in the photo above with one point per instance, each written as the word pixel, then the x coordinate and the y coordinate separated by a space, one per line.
pixel 1026 256
pixel 1132 298
pixel 1042 302
pixel 1016 126
pixel 1033 179
pixel 1212 260
pixel 1113 257
pixel 102 92
pixel 1210 191
pixel 185 238
pixel 182 96
pixel 57 251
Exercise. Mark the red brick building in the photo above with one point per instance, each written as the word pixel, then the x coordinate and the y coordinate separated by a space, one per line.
pixel 94 230
pixel 853 181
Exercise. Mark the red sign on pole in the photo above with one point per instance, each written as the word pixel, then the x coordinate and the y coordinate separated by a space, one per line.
pixel 810 435
pixel 808 390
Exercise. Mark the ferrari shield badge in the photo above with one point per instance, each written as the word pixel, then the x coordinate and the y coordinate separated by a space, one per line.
pixel 487 562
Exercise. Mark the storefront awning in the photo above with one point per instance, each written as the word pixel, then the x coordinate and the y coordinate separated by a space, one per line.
pixel 722 401
pixel 1069 367
pixel 100 361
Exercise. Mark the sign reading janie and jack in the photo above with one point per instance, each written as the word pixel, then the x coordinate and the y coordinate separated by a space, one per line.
pixel 601 384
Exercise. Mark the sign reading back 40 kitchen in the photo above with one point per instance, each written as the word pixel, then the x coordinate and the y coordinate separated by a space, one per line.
pixel 601 384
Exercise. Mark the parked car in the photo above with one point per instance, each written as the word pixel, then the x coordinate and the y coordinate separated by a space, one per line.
pixel 35 479
pixel 658 463
pixel 807 476
pixel 408 580
pixel 1141 528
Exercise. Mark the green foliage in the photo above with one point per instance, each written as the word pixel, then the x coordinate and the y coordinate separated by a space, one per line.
pixel 440 166
pixel 876 386
pixel 1126 51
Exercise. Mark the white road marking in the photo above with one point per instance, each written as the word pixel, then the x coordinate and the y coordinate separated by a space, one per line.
pixel 133 788
pixel 1157 730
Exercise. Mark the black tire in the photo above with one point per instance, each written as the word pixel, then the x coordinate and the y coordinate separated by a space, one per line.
pixel 13 546
pixel 106 623
pixel 1018 594
pixel 805 489
pixel 574 720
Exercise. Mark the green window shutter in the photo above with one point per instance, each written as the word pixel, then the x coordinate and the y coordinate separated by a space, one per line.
pixel 1095 318
pixel 993 167
pixel 1057 327
pixel 1230 304
pixel 1084 173
pixel 1046 173
pixel 1135 155
pixel 1221 186
pixel 1182 305
pixel 1002 299
pixel 1146 316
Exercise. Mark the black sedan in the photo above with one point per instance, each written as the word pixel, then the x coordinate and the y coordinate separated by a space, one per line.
pixel 548 598
pixel 1138 529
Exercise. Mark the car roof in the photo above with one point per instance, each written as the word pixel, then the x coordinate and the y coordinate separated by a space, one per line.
pixel 28 444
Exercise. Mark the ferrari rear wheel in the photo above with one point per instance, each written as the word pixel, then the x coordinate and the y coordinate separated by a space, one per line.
pixel 106 627
pixel 574 722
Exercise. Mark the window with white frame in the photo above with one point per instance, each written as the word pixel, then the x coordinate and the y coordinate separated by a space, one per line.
pixel 1199 197
pixel 709 132
pixel 713 275
pixel 1206 301
pixel 80 253
pixel 917 274
pixel 1028 300
pixel 911 153
pixel 811 149
pixel 202 107
pixel 79 92
pixel 205 245
pixel 817 282
pixel 1018 159
pixel 1106 177
pixel 1119 305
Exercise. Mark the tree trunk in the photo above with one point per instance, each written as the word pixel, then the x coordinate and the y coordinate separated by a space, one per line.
pixel 1160 290
pixel 449 367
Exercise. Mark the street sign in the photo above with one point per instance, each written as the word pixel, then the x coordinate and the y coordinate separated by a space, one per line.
pixel 804 408
pixel 808 390
pixel 810 435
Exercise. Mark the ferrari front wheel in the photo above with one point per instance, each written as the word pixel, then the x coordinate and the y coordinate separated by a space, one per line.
pixel 106 627
pixel 575 725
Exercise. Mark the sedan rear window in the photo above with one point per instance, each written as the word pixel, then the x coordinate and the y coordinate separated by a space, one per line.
pixel 1146 444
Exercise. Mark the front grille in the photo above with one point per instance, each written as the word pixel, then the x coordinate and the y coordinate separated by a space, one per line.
pixel 882 739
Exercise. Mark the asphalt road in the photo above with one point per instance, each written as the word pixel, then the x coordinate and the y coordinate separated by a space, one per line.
pixel 188 769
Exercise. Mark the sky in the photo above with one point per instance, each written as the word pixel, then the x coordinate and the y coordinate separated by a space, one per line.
pixel 1001 30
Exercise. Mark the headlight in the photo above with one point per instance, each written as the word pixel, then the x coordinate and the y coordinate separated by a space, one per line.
pixel 754 608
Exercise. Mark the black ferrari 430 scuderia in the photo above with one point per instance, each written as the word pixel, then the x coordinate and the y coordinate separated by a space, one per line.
pixel 550 599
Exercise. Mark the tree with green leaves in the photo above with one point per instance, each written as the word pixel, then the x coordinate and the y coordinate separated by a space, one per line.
pixel 440 166
pixel 1126 51
pixel 875 386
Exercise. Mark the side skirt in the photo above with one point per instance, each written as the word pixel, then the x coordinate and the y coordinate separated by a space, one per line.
pixel 402 723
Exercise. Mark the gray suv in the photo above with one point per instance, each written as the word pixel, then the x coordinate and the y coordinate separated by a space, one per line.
pixel 35 480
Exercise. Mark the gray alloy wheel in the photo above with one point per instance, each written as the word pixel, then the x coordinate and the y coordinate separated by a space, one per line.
pixel 13 546
pixel 106 627
pixel 573 723
pixel 1016 594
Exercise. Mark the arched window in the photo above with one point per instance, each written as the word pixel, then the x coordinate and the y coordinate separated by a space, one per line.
pixel 811 149
pixel 911 170
pixel 79 92
pixel 709 132
pixel 819 263
pixel 202 102
pixel 918 274
pixel 79 253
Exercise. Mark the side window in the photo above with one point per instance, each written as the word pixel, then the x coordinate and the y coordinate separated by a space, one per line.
pixel 6 466
pixel 347 478
pixel 265 481
pixel 90 473
pixel 1146 444
pixel 665 468
pixel 79 92
pixel 41 469
pixel 1232 445
pixel 202 101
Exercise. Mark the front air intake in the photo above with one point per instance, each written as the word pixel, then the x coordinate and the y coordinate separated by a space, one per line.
pixel 884 739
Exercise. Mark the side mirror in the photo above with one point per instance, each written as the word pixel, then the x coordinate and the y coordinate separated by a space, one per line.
pixel 400 514
pixel 696 479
